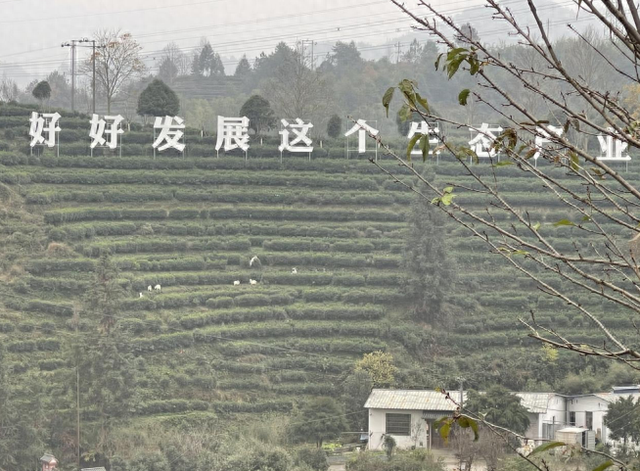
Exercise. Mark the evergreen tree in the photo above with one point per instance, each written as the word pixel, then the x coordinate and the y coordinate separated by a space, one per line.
pixel 168 70
pixel 430 273
pixel 355 392
pixel 319 419
pixel 623 419
pixel 500 407
pixel 243 70
pixel 158 100
pixel 258 110
pixel 334 126
pixel 42 91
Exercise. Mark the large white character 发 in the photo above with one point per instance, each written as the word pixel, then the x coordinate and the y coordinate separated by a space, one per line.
pixel 99 128
pixel 482 144
pixel 300 129
pixel 423 128
pixel 612 148
pixel 41 123
pixel 170 133
pixel 233 133
pixel 543 137
pixel 362 128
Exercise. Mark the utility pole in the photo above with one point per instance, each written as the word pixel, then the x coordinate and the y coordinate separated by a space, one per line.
pixel 73 45
pixel 461 381
pixel 398 46
pixel 307 59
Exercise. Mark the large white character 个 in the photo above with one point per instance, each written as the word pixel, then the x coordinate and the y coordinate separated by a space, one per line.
pixel 543 137
pixel 423 128
pixel 41 123
pixel 482 144
pixel 233 133
pixel 612 148
pixel 99 128
pixel 300 129
pixel 362 128
pixel 170 133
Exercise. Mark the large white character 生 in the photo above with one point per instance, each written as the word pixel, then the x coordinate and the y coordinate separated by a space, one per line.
pixel 300 129
pixel 362 128
pixel 423 128
pixel 233 133
pixel 612 148
pixel 482 144
pixel 170 133
pixel 99 128
pixel 43 123
pixel 542 137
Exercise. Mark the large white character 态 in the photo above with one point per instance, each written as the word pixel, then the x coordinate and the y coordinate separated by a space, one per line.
pixel 543 137
pixel 362 128
pixel 612 148
pixel 170 133
pixel 233 133
pixel 423 128
pixel 300 129
pixel 99 128
pixel 482 144
pixel 41 123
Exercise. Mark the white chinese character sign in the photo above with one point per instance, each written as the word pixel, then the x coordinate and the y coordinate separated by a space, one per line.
pixel 170 132
pixel 233 133
pixel 482 144
pixel 99 128
pixel 362 128
pixel 612 148
pixel 43 124
pixel 543 137
pixel 301 143
pixel 422 127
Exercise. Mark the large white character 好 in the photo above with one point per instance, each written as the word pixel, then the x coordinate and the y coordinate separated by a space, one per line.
pixel 41 123
pixel 612 148
pixel 233 133
pixel 482 144
pixel 543 137
pixel 300 129
pixel 170 133
pixel 362 128
pixel 423 128
pixel 99 128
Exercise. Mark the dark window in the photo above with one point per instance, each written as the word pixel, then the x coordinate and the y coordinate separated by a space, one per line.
pixel 572 418
pixel 589 420
pixel 398 424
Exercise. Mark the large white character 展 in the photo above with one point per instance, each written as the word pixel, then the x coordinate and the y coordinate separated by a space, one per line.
pixel 482 144
pixel 233 133
pixel 612 148
pixel 300 129
pixel 542 137
pixel 362 128
pixel 99 128
pixel 423 128
pixel 170 133
pixel 41 123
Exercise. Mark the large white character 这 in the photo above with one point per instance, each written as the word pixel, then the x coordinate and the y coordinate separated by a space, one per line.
pixel 482 144
pixel 543 137
pixel 233 133
pixel 170 133
pixel 423 128
pixel 300 129
pixel 612 148
pixel 362 128
pixel 99 128
pixel 41 123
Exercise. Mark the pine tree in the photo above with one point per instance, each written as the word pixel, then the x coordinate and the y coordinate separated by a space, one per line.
pixel 158 100
pixel 243 70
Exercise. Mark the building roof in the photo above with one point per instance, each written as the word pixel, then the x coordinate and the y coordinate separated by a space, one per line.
pixel 409 399
pixel 572 430
pixel 536 403
pixel 48 458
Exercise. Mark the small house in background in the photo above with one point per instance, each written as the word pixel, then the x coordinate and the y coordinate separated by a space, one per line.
pixel 577 436
pixel 48 462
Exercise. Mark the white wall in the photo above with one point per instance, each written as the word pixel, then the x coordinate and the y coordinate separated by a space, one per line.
pixel 377 424
pixel 594 404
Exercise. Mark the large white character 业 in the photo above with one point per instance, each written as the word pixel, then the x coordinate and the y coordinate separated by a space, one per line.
pixel 482 144
pixel 300 129
pixel 99 128
pixel 233 133
pixel 612 148
pixel 423 128
pixel 170 133
pixel 543 137
pixel 362 128
pixel 41 123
